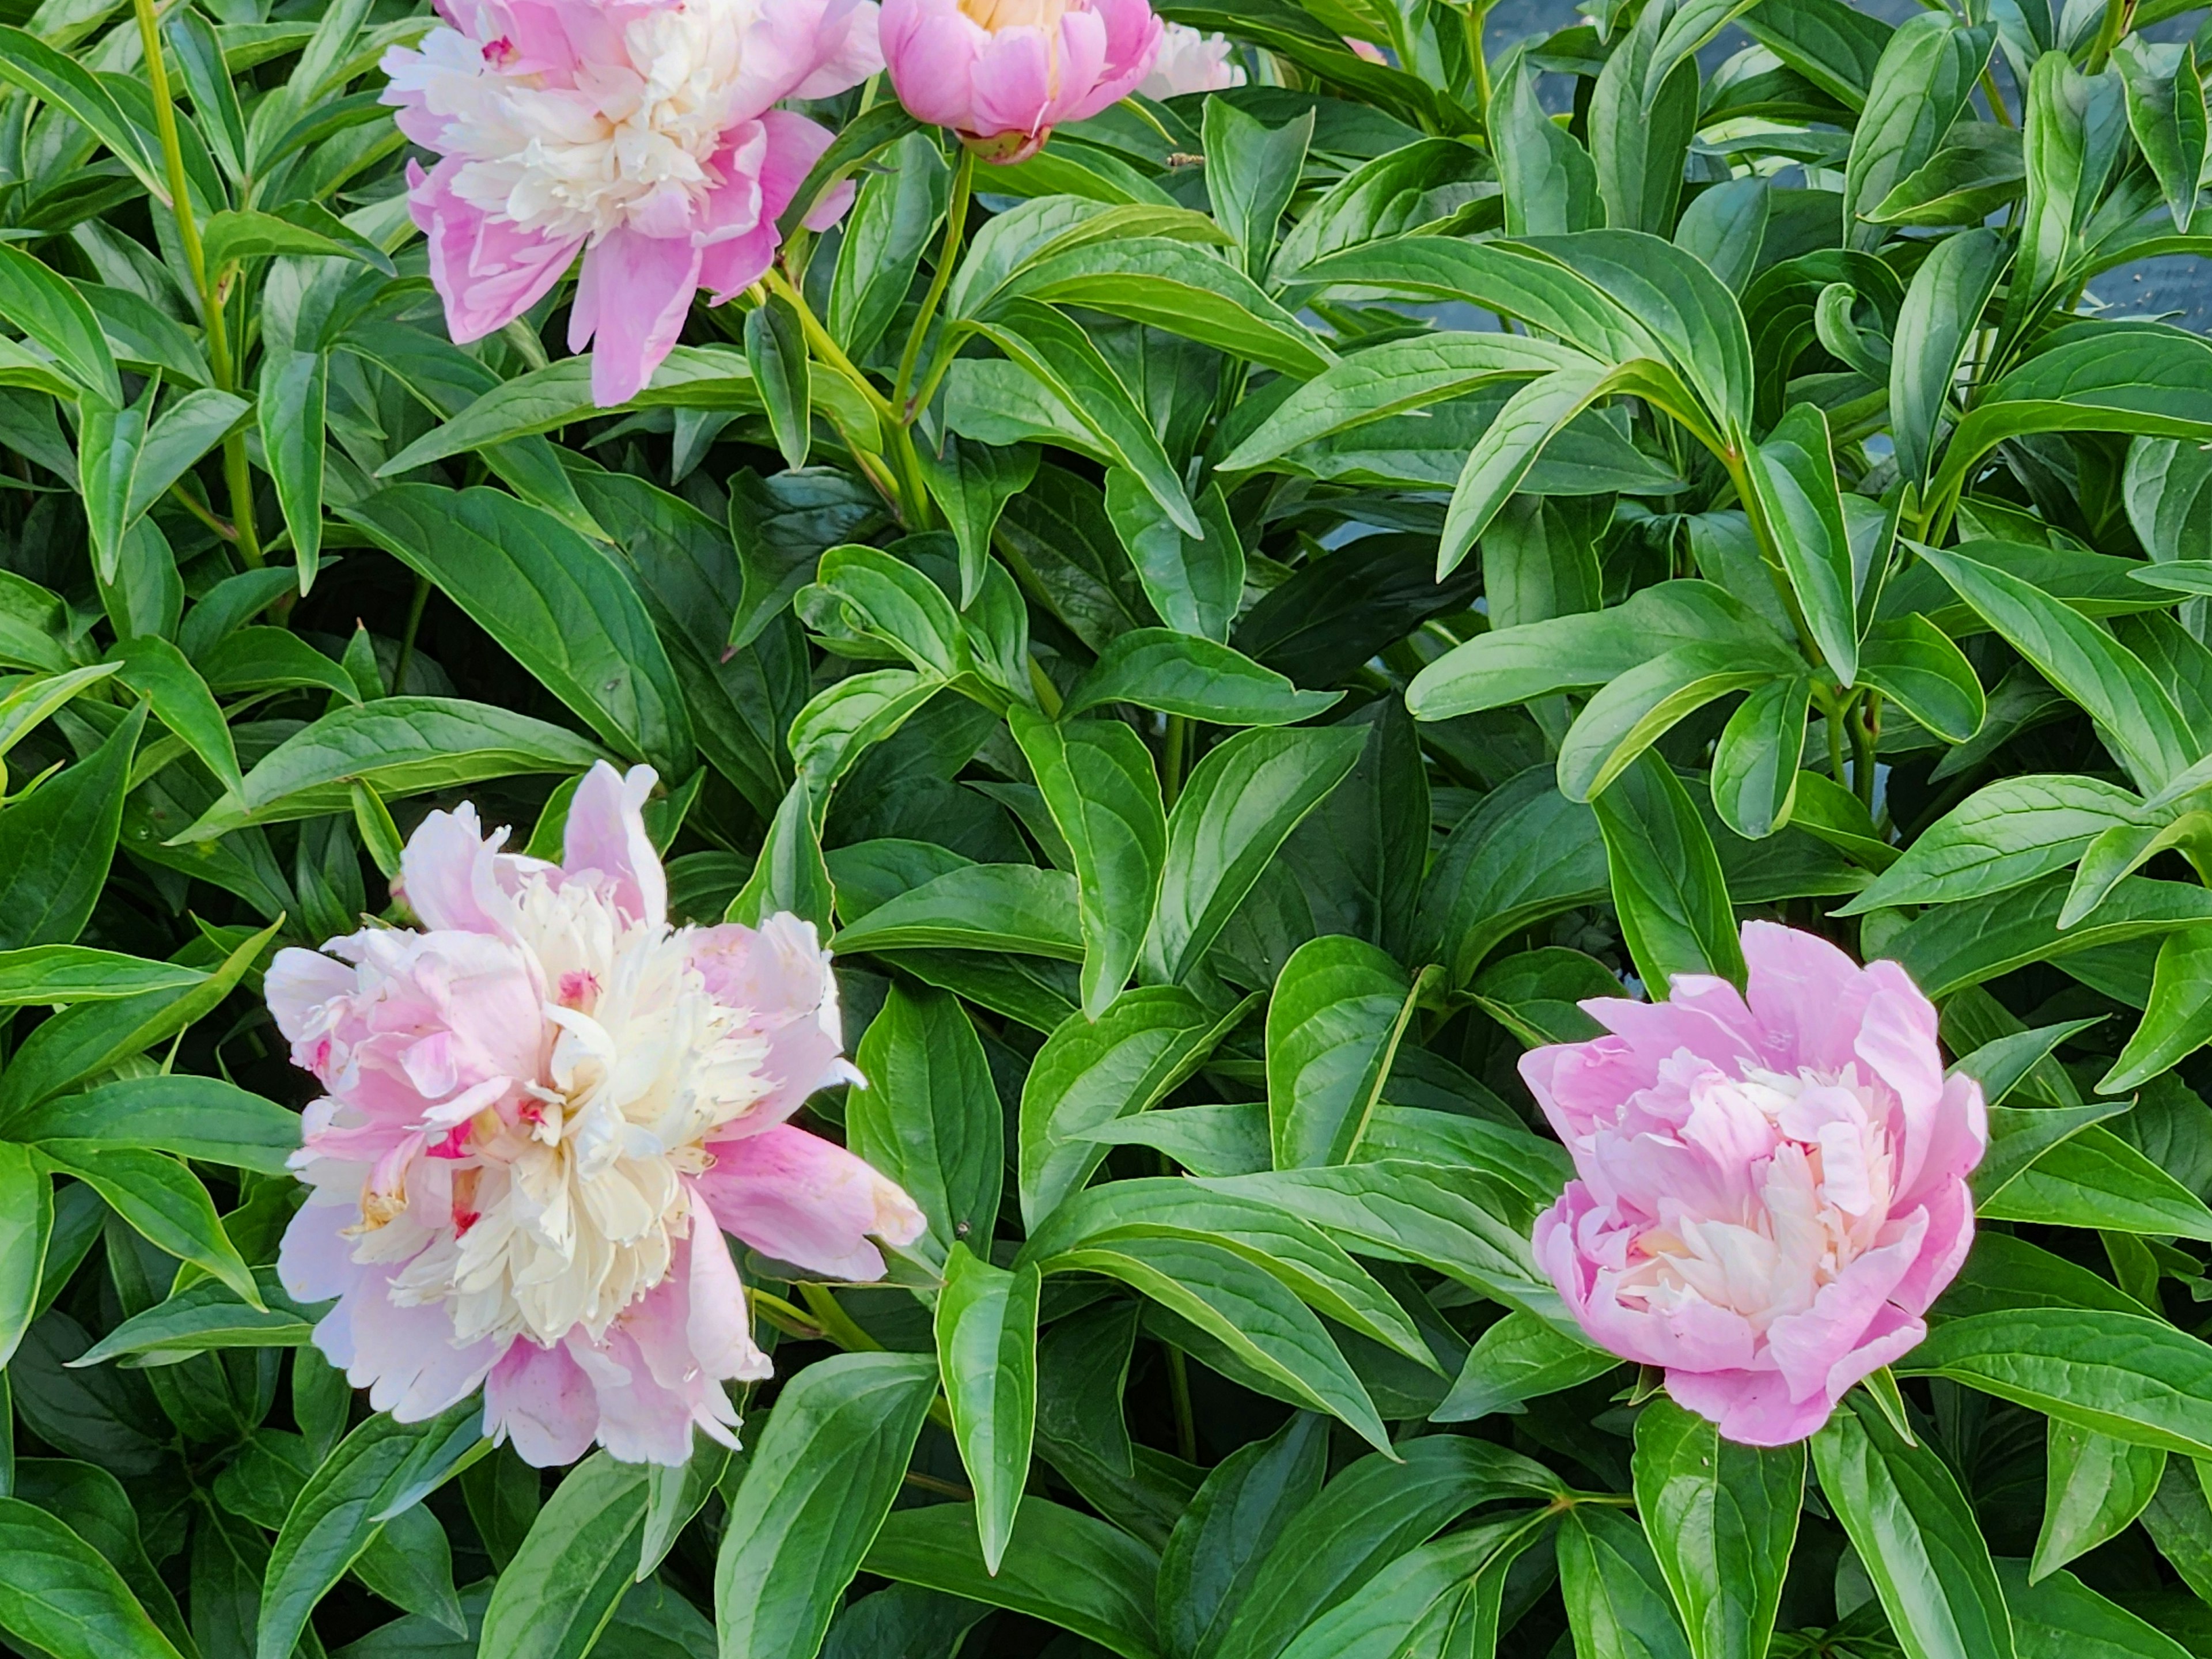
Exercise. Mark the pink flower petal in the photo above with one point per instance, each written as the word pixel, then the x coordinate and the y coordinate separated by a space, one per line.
pixel 631 302
pixel 540 1401
pixel 800 1199
pixel 605 832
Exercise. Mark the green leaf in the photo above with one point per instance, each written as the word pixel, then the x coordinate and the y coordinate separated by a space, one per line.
pixel 181 701
pixel 2166 111
pixel 1447 1595
pixel 1642 111
pixel 291 410
pixel 1254 170
pixel 1063 1567
pixel 817 1486
pixel 1463 1223
pixel 377 1470
pixel 1061 357
pixel 1245 1308
pixel 1675 916
pixel 1146 1042
pixel 1914 663
pixel 971 484
pixel 301 228
pixel 61 1597
pixel 1755 774
pixel 398 746
pixel 845 720
pixel 1369 1515
pixel 2016 831
pixel 26 1225
pixel 562 608
pixel 1615 1593
pixel 556 1596
pixel 197 1117
pixel 1793 486
pixel 55 846
pixel 789 874
pixel 2105 678
pixel 980 906
pixel 874 594
pixel 47 75
pixel 1721 1518
pixel 2092 1178
pixel 987 1355
pixel 109 441
pixel 161 1199
pixel 901 205
pixel 1980 169
pixel 1526 853
pixel 1944 306
pixel 2061 1618
pixel 1638 708
pixel 89 1038
pixel 1100 786
pixel 689 377
pixel 1232 1523
pixel 205 1315
pixel 2178 1022
pixel 2132 1377
pixel 1550 182
pixel 1239 804
pixel 1182 674
pixel 1196 585
pixel 1916 1536
pixel 1519 1357
pixel 930 1119
pixel 53 314
pixel 2094 1489
pixel 775 352
pixel 1922 80
pixel 1339 1009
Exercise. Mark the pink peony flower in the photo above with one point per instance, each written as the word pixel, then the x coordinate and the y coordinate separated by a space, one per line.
pixel 546 1108
pixel 1771 1189
pixel 1002 73
pixel 1191 62
pixel 639 131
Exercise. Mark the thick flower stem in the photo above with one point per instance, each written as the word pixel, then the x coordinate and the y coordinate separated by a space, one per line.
pixel 956 215
pixel 1186 1423
pixel 236 474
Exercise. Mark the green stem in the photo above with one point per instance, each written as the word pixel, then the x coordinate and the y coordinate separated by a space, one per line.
pixel 421 597
pixel 1472 19
pixel 1833 717
pixel 2118 14
pixel 236 474
pixel 837 1324
pixel 956 219
pixel 1866 730
pixel 912 492
pixel 1171 763
pixel 1185 1422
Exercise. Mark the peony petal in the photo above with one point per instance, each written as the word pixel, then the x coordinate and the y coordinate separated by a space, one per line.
pixel 930 48
pixel 486 270
pixel 718 1327
pixel 315 1260
pixel 802 1199
pixel 1806 993
pixel 605 832
pixel 539 1401
pixel 1752 1408
pixel 631 302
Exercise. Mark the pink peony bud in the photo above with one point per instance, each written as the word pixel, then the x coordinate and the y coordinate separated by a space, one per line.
pixel 1772 1188
pixel 1002 73
pixel 639 131
pixel 1191 62
pixel 544 1110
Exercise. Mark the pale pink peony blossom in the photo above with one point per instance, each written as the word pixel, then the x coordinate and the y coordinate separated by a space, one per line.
pixel 1002 73
pixel 640 132
pixel 545 1108
pixel 1772 1185
pixel 1191 62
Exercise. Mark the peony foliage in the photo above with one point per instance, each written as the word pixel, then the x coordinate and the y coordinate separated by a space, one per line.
pixel 1263 829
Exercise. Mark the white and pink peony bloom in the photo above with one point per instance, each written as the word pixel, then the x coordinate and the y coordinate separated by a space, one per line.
pixel 638 132
pixel 1002 73
pixel 545 1108
pixel 1772 1185
pixel 1191 62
